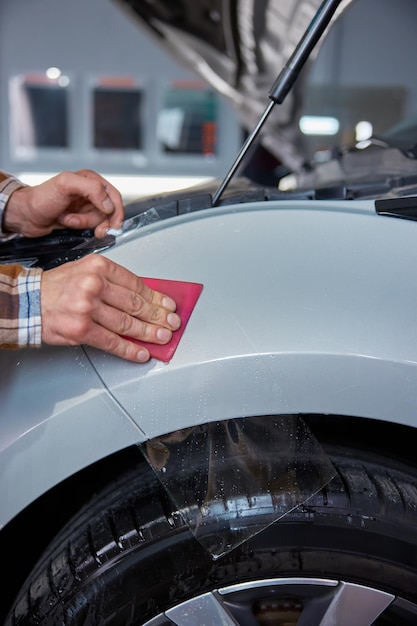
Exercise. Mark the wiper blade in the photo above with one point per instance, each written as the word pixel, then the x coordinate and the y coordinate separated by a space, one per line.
pixel 285 80
pixel 405 208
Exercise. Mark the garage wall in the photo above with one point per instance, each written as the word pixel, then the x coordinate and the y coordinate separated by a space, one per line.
pixel 86 39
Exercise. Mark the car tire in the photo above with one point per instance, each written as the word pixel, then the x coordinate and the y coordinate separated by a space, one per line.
pixel 349 554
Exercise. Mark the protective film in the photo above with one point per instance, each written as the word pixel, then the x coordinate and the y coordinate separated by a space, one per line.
pixel 216 473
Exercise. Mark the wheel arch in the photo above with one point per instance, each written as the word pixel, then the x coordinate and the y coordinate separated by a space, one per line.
pixel 56 506
pixel 33 528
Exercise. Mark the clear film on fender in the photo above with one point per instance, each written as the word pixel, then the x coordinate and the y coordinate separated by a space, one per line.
pixel 217 472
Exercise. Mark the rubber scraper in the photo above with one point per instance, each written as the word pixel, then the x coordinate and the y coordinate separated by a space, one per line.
pixel 185 295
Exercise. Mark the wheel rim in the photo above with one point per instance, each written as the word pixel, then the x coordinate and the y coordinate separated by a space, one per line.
pixel 289 602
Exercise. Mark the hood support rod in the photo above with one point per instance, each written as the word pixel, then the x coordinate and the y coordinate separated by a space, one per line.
pixel 285 80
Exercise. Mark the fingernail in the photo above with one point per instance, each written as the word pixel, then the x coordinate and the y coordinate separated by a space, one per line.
pixel 142 356
pixel 168 303
pixel 164 334
pixel 108 204
pixel 73 222
pixel 174 320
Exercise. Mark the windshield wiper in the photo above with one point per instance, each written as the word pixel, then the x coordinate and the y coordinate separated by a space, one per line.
pixel 285 80
pixel 404 208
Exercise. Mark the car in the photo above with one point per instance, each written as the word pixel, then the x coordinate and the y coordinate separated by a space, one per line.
pixel 265 473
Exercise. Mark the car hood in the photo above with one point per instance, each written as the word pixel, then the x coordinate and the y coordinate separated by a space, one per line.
pixel 239 48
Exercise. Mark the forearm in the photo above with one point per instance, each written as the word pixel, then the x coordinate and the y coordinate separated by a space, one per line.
pixel 20 310
pixel 8 184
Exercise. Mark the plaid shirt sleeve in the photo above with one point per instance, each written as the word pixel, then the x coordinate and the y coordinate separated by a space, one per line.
pixel 20 303
pixel 20 306
pixel 8 184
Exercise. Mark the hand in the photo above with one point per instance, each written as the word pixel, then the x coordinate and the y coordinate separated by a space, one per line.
pixel 94 300
pixel 82 199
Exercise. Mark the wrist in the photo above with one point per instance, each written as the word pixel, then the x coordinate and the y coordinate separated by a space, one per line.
pixel 12 218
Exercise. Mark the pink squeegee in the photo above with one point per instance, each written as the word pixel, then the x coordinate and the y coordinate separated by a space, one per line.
pixel 185 295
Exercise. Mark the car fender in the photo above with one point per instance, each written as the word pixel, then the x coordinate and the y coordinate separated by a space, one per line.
pixel 305 308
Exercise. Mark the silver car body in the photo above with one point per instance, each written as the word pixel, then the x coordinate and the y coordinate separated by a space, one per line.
pixel 307 307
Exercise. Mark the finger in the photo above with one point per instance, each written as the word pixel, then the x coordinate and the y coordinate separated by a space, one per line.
pixel 135 288
pixel 123 323
pixel 110 201
pixel 133 314
pixel 97 192
pixel 87 217
pixel 124 303
pixel 104 339
pixel 93 205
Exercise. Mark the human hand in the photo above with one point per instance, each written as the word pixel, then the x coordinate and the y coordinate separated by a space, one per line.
pixel 94 301
pixel 81 199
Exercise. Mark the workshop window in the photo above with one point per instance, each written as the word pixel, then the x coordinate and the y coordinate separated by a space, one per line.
pixel 187 123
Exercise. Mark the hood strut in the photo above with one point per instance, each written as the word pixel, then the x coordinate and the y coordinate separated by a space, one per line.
pixel 285 80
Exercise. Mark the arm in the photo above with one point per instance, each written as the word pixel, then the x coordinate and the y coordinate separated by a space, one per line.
pixel 90 301
pixel 94 301
pixel 82 199
pixel 8 184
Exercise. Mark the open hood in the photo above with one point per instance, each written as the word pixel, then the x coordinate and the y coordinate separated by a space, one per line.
pixel 239 47
pixel 352 80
